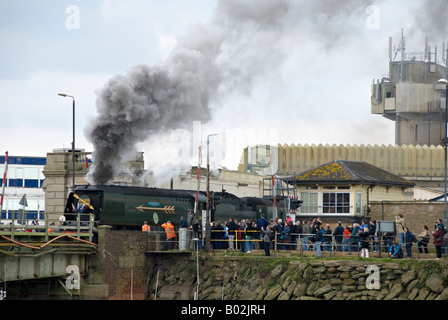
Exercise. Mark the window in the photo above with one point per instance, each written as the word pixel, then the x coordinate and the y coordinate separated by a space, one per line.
pixel 31 173
pixel 358 202
pixel 309 204
pixel 336 202
pixel 31 176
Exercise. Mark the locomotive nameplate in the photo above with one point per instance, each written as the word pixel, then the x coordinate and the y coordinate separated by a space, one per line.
pixel 166 209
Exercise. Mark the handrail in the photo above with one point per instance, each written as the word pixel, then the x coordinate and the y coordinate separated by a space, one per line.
pixel 48 242
pixel 47 228
pixel 378 244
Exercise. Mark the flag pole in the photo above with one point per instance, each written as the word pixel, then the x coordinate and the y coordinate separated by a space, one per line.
pixel 4 182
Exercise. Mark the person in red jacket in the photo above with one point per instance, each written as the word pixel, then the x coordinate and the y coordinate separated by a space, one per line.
pixel 438 240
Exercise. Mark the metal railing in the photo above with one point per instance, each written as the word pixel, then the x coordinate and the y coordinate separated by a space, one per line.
pixel 81 226
pixel 302 244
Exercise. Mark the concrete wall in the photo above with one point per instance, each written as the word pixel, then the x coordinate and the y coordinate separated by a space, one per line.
pixel 416 213
pixel 119 269
pixel 421 164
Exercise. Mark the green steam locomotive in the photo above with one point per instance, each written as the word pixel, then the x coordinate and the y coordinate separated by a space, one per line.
pixel 128 207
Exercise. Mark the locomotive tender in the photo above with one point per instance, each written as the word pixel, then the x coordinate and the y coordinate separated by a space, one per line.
pixel 128 207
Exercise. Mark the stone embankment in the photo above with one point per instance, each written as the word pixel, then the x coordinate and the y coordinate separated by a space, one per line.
pixel 260 278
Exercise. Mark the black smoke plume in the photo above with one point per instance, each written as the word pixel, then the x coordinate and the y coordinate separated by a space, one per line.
pixel 245 40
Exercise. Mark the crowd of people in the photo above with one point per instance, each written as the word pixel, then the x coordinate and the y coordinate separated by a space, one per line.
pixel 246 235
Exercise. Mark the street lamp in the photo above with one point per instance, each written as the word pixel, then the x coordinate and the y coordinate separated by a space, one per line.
pixel 445 82
pixel 62 94
pixel 207 218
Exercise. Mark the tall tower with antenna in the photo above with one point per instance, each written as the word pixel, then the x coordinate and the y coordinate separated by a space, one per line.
pixel 411 96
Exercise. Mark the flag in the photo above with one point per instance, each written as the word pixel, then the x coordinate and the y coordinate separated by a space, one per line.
pixel 23 201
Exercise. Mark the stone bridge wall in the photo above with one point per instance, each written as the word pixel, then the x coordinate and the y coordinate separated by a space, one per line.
pixel 260 278
pixel 124 270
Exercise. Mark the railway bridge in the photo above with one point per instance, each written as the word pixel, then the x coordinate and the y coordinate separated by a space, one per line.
pixel 35 252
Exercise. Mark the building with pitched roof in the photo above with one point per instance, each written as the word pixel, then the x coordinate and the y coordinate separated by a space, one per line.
pixel 343 188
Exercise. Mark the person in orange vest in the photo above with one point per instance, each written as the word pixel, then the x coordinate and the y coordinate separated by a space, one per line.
pixel 170 235
pixel 146 227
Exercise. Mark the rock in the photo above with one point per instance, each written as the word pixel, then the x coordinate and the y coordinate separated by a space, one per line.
pixel 411 285
pixel 383 293
pixel 335 281
pixel 394 292
pixel 444 294
pixel 283 296
pixel 274 292
pixel 287 282
pixel 261 294
pixel 302 266
pixel 330 295
pixel 349 282
pixel 423 294
pixel 391 276
pixel 393 266
pixel 413 294
pixel 300 289
pixel 345 268
pixel 321 291
pixel 311 288
pixel 435 283
pixel 291 287
pixel 432 296
pixel 348 288
pixel 303 279
pixel 277 271
pixel 307 298
pixel 404 295
pixel 408 277
pixel 331 263
pixel 361 269
pixel 308 273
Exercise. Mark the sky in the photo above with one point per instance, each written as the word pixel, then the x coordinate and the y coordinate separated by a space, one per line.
pixel 284 71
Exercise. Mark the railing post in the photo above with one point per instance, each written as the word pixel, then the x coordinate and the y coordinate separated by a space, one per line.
pixel 46 227
pixel 236 239
pixel 275 241
pixel 92 221
pixel 78 225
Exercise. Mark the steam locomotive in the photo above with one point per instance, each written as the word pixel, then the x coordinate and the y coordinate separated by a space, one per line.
pixel 128 207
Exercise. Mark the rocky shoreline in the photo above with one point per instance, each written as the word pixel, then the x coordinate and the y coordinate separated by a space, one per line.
pixel 259 278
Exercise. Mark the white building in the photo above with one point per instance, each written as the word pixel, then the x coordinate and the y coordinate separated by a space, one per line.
pixel 23 178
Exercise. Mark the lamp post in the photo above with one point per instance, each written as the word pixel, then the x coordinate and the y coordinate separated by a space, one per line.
pixel 207 218
pixel 62 94
pixel 445 140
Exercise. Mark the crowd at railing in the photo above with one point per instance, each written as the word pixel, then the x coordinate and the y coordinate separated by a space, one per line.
pixel 355 239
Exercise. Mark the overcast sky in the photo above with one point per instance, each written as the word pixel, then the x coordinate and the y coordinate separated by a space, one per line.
pixel 295 71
